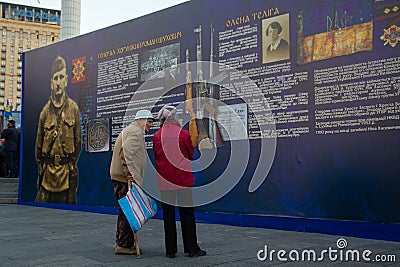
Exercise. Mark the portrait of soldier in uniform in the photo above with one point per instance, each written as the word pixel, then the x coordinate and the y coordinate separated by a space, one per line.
pixel 58 141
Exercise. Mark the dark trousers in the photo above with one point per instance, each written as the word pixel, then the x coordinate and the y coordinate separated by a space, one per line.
pixel 52 197
pixel 124 233
pixel 188 224
pixel 10 160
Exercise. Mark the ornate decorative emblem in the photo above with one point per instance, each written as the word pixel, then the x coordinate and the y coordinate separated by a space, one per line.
pixel 391 36
pixel 388 13
pixel 394 9
pixel 98 135
pixel 79 70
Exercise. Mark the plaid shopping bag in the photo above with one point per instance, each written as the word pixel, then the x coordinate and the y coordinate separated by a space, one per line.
pixel 138 207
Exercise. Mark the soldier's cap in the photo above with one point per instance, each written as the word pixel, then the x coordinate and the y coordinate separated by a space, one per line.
pixel 58 64
pixel 144 114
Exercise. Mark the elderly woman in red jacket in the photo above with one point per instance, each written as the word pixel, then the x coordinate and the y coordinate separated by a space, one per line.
pixel 173 150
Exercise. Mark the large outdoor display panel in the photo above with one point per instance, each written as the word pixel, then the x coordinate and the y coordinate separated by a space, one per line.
pixel 296 106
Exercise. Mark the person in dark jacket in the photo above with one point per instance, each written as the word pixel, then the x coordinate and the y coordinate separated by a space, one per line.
pixel 11 135
pixel 173 151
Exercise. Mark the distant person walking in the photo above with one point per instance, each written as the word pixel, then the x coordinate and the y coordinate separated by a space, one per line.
pixel 11 136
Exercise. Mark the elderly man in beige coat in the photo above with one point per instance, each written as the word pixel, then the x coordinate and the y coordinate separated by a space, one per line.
pixel 128 164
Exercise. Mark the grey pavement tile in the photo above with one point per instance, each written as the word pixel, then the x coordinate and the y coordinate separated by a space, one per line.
pixel 6 262
pixel 63 260
pixel 382 246
pixel 320 264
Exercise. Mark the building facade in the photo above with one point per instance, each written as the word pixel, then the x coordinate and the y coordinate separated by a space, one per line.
pixel 23 28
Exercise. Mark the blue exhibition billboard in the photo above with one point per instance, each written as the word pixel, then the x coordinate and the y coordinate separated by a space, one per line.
pixel 299 103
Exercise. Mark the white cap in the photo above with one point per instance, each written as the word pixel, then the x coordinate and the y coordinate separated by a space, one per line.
pixel 144 114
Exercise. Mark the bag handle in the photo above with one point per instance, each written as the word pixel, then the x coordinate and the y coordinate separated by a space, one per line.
pixel 129 185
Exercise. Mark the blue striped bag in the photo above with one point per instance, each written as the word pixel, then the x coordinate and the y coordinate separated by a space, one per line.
pixel 138 207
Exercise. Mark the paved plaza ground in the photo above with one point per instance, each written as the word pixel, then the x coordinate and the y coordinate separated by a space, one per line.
pixel 35 236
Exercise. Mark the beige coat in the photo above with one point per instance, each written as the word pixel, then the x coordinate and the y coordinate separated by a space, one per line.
pixel 129 156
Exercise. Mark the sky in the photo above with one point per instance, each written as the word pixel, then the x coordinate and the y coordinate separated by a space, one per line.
pixel 99 14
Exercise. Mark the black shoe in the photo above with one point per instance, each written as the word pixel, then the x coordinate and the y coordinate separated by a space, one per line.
pixel 171 256
pixel 198 253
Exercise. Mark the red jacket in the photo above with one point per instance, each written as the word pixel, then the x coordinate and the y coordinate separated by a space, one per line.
pixel 173 151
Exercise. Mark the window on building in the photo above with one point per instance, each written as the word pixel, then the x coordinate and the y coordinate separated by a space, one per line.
pixel 19 94
pixel 11 86
pixel 2 85
pixel 4 48
pixel 19 87
pixel 14 14
pixel 11 63
pixel 3 63
pixel 29 18
pixel 3 56
pixel 2 93
pixel 4 40
pixel 36 44
pixel 12 49
pixel 21 42
pixel 3 70
pixel 20 50
pixel 11 78
pixel 2 78
pixel 36 18
pixel 12 34
pixel 10 93
pixel 11 71
pixel 37 34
